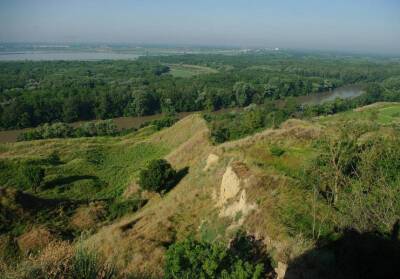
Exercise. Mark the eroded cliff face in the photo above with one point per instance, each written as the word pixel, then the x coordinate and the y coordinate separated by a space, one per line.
pixel 232 200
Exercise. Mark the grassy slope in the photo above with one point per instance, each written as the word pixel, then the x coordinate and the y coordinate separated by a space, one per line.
pixel 138 241
pixel 100 167
pixel 90 167
pixel 383 113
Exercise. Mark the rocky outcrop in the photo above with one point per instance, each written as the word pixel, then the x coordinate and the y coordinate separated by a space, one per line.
pixel 230 186
pixel 232 198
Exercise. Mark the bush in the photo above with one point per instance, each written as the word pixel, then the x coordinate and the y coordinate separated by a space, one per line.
pixel 48 131
pixel 54 158
pixel 195 259
pixel 358 177
pixel 87 265
pixel 119 209
pixel 62 130
pixel 95 156
pixel 276 151
pixel 220 134
pixel 95 129
pixel 33 175
pixel 165 122
pixel 159 176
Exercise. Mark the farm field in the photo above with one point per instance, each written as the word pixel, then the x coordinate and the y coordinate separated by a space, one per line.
pixel 186 71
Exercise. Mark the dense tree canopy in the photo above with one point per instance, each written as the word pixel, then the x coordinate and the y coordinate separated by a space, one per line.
pixel 33 93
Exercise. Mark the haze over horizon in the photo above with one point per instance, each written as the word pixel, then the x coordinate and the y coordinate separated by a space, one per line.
pixel 365 26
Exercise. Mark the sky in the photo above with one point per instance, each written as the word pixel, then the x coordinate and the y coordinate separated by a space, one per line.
pixel 345 25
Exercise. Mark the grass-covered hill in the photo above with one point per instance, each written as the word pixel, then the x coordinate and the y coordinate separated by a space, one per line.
pixel 319 197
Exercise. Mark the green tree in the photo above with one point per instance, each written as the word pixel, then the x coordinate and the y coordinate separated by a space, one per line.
pixel 253 119
pixel 144 103
pixel 219 133
pixel 374 93
pixel 158 176
pixel 70 110
pixel 243 93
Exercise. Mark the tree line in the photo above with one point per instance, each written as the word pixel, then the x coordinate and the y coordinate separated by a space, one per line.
pixel 34 93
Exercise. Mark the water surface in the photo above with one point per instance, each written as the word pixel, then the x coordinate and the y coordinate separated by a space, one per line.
pixel 344 92
pixel 60 55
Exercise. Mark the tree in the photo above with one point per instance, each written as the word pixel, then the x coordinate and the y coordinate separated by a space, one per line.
pixel 161 69
pixel 373 94
pixel 104 107
pixel 70 110
pixel 253 119
pixel 243 92
pixel 144 103
pixel 34 175
pixel 219 133
pixel 158 176
pixel 211 100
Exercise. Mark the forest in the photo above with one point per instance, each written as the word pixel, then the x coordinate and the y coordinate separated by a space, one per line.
pixel 35 93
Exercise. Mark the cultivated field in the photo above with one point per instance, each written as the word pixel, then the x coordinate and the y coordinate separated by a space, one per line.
pixel 186 71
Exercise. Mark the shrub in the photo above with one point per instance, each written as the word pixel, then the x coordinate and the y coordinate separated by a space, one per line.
pixel 87 264
pixel 220 134
pixel 276 151
pixel 95 156
pixel 62 130
pixel 48 131
pixel 195 259
pixel 54 158
pixel 158 176
pixel 373 203
pixel 119 209
pixel 106 128
pixel 34 176
pixel 165 122
pixel 359 178
pixel 99 128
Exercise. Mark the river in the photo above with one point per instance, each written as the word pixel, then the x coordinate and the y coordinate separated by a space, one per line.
pixel 60 55
pixel 344 92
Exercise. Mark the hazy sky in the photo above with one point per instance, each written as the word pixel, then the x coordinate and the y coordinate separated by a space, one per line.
pixel 364 25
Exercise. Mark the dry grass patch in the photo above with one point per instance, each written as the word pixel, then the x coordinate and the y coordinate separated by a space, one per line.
pixel 55 261
pixel 89 217
pixel 35 240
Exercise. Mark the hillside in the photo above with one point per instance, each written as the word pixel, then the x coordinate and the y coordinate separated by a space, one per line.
pixel 264 184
